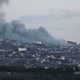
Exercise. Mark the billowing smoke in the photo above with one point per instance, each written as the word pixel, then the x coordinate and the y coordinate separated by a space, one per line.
pixel 17 31
pixel 3 1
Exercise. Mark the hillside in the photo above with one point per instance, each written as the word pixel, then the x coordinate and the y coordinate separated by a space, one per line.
pixel 16 53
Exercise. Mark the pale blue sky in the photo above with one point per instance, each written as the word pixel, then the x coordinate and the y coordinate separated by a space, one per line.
pixel 60 17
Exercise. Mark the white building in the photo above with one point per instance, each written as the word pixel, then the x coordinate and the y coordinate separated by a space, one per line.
pixel 22 49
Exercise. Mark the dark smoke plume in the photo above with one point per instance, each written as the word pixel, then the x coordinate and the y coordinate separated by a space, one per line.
pixel 17 31
pixel 3 1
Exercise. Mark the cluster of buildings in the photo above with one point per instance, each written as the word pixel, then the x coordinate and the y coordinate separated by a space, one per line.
pixel 16 53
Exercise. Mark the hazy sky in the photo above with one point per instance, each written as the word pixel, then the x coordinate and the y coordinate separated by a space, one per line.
pixel 60 17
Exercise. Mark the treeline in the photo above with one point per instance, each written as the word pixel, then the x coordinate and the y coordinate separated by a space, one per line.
pixel 40 70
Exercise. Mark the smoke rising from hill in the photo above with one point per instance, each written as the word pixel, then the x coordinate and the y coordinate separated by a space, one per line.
pixel 16 30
